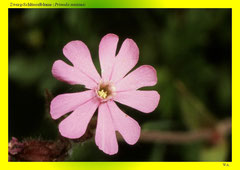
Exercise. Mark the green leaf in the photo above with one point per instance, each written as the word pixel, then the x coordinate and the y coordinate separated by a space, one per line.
pixel 218 152
pixel 194 113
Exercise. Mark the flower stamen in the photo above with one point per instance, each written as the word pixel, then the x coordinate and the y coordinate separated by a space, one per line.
pixel 102 94
pixel 105 91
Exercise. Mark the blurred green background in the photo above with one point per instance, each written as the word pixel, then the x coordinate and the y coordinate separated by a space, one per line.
pixel 190 49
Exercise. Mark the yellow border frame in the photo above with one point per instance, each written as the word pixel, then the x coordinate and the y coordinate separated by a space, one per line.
pixel 123 165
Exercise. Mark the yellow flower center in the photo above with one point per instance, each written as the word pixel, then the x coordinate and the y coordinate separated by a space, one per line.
pixel 105 91
pixel 102 93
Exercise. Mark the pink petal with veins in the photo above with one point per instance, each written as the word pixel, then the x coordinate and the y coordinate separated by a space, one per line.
pixel 65 103
pixel 71 75
pixel 126 59
pixel 127 126
pixel 141 77
pixel 105 137
pixel 107 53
pixel 144 101
pixel 75 125
pixel 78 53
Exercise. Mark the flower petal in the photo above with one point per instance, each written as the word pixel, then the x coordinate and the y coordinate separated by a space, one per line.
pixel 78 53
pixel 126 59
pixel 105 137
pixel 75 125
pixel 71 75
pixel 127 126
pixel 144 101
pixel 143 76
pixel 107 53
pixel 65 103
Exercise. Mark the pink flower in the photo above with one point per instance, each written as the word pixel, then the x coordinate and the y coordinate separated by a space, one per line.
pixel 114 85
